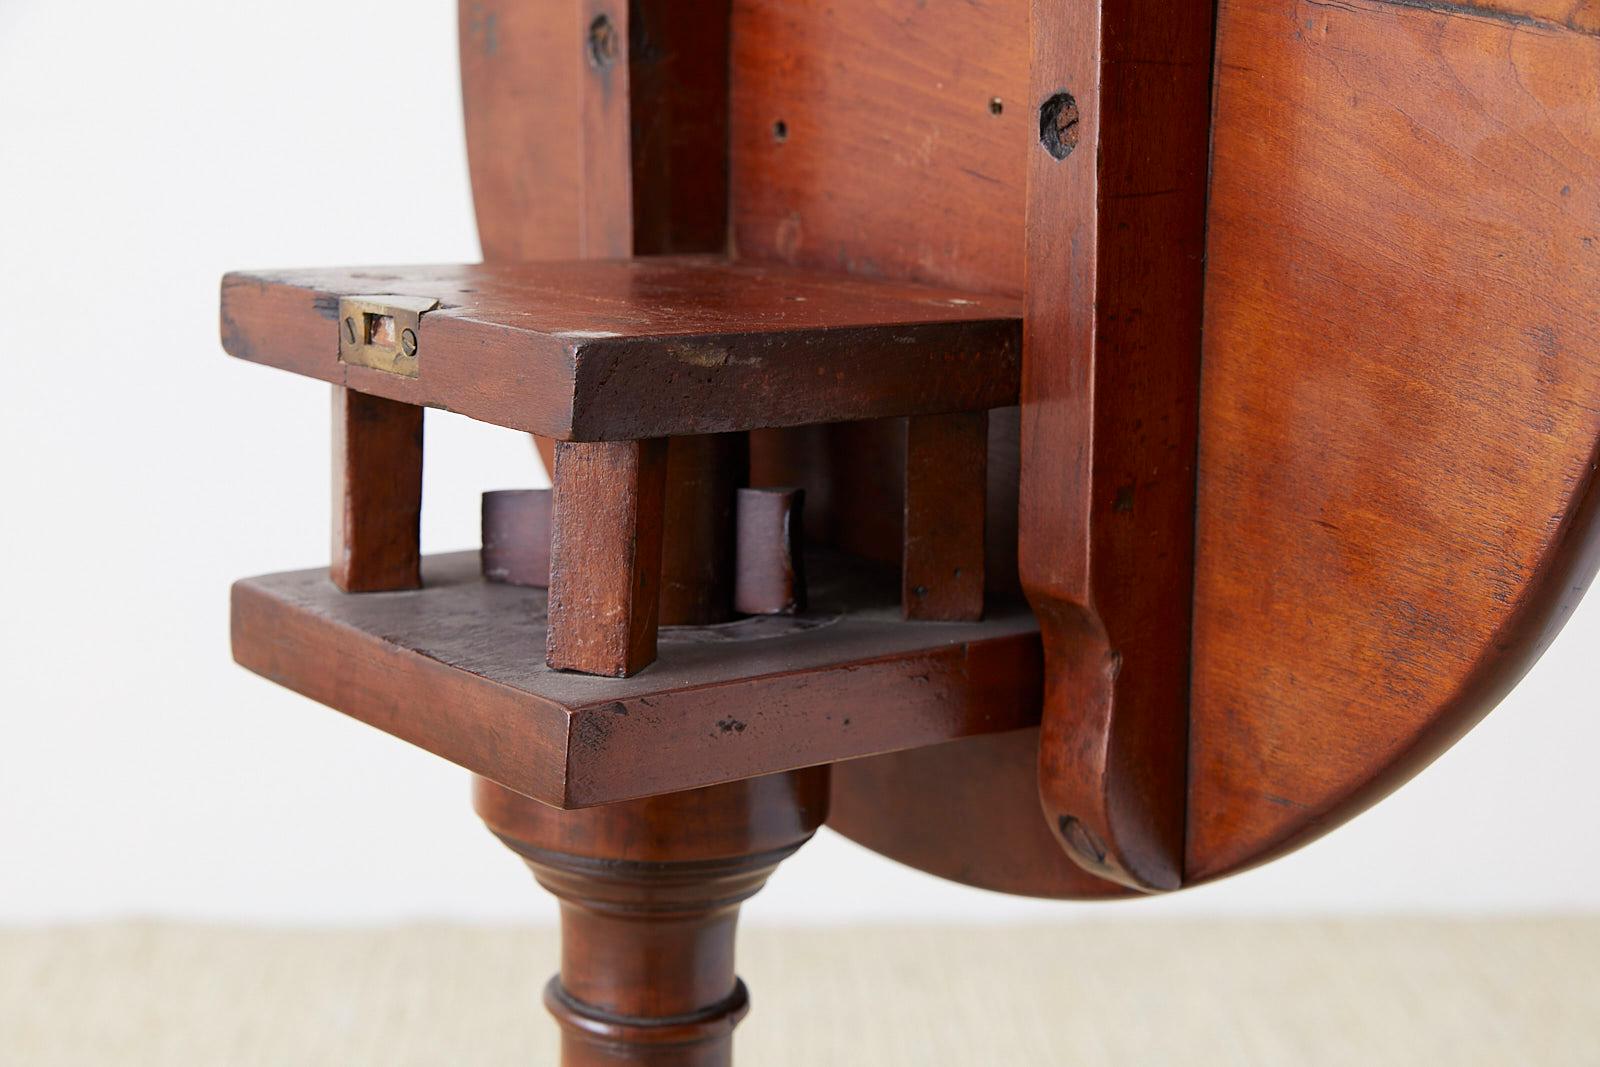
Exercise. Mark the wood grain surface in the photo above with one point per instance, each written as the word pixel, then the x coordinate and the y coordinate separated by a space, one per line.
pixel 1111 366
pixel 946 470
pixel 656 346
pixel 454 668
pixel 865 138
pixel 1401 399
pixel 650 893
pixel 377 493
pixel 606 521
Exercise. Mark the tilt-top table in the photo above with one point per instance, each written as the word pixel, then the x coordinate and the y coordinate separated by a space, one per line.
pixel 1076 450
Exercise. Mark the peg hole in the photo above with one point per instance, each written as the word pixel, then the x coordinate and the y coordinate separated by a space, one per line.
pixel 1058 125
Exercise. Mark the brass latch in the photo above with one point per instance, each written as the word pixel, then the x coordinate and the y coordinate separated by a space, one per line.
pixel 382 332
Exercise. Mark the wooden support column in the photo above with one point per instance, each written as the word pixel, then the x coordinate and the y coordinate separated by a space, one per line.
pixel 377 493
pixel 947 466
pixel 1110 401
pixel 605 556
pixel 650 893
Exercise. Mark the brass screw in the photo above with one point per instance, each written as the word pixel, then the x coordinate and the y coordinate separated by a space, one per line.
pixel 408 342
pixel 350 329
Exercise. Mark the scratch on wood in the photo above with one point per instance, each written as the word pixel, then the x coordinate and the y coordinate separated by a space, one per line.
pixel 1509 17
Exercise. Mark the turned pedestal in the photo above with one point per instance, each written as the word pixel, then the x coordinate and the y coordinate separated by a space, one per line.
pixel 650 893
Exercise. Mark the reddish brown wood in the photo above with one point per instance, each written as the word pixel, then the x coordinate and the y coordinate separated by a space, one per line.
pixel 605 556
pixel 770 575
pixel 1116 225
pixel 678 85
pixel 697 561
pixel 1396 505
pixel 377 493
pixel 644 170
pixel 516 537
pixel 659 346
pixel 965 810
pixel 941 572
pixel 650 893
pixel 1401 418
pixel 523 66
pixel 1398 433
pixel 890 160
pixel 453 668
pixel 595 128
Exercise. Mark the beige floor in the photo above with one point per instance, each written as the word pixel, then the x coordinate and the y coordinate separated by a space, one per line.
pixel 1370 994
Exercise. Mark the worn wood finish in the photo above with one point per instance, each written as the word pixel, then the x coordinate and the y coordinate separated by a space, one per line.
pixel 454 668
pixel 770 575
pixel 1401 399
pixel 658 346
pixel 890 160
pixel 605 556
pixel 516 537
pixel 377 493
pixel 650 893
pixel 941 569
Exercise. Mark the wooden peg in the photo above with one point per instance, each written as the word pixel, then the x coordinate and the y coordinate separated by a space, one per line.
pixel 516 537
pixel 941 572
pixel 605 556
pixel 770 574
pixel 377 493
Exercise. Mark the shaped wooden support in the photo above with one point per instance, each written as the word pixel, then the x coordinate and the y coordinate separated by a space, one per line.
pixel 377 493
pixel 1111 341
pixel 605 556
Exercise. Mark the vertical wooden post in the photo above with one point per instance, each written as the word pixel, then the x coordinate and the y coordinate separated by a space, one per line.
pixel 377 493
pixel 605 556
pixel 697 545
pixel 947 461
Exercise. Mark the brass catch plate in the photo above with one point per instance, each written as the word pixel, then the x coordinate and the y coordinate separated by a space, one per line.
pixel 383 332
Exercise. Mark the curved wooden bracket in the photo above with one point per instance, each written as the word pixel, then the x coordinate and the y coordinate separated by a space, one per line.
pixel 1115 244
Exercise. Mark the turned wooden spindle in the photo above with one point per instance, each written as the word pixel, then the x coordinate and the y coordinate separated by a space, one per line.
pixel 650 893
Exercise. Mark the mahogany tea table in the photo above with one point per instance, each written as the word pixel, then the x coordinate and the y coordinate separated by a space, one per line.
pixel 1079 450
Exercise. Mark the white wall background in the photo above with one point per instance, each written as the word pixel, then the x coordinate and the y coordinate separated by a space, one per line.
pixel 146 148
